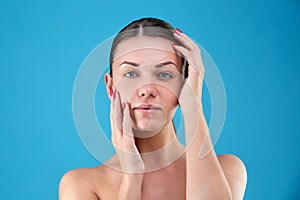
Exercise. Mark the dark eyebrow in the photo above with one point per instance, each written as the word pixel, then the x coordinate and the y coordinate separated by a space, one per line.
pixel 156 66
pixel 129 63
pixel 165 63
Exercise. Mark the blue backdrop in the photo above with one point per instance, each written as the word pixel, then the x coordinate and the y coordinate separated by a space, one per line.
pixel 255 45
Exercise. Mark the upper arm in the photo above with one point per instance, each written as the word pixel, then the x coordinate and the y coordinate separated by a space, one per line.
pixel 235 173
pixel 74 185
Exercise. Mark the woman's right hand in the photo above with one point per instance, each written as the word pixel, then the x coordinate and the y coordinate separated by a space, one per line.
pixel 123 138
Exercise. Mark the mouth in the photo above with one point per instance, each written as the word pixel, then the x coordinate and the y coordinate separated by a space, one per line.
pixel 146 108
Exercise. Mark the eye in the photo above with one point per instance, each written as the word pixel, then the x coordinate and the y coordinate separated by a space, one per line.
pixel 131 74
pixel 164 75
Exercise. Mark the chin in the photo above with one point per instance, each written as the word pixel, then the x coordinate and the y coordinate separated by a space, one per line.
pixel 145 129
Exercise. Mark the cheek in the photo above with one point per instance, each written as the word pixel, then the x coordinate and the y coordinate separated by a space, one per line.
pixel 172 88
pixel 175 88
pixel 170 99
pixel 128 88
pixel 124 86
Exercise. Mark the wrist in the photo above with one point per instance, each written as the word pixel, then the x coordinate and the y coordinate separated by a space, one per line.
pixel 191 105
pixel 132 179
pixel 131 187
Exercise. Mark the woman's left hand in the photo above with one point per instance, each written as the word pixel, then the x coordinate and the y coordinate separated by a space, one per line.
pixel 192 87
pixel 202 164
pixel 191 92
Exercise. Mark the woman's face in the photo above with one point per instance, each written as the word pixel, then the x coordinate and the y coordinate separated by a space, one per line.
pixel 147 74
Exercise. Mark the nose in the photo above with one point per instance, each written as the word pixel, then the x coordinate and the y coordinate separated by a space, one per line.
pixel 147 90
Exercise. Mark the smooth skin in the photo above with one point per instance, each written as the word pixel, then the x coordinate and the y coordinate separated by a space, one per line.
pixel 198 173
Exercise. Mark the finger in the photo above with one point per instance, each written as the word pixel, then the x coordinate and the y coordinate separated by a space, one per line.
pixel 127 137
pixel 116 133
pixel 118 112
pixel 111 116
pixel 112 111
pixel 184 51
pixel 127 121
pixel 186 41
pixel 193 67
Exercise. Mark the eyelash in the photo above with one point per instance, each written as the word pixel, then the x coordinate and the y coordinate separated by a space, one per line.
pixel 130 72
pixel 134 74
pixel 170 75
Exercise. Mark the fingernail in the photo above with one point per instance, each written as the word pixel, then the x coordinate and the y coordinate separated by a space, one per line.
pixel 124 105
pixel 174 44
pixel 178 30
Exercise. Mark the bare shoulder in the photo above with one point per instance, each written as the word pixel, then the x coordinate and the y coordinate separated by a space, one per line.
pixel 78 184
pixel 235 173
pixel 85 183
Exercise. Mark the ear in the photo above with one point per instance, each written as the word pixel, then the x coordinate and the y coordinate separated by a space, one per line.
pixel 109 84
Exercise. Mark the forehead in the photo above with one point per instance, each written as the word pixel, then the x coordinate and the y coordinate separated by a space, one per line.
pixel 145 49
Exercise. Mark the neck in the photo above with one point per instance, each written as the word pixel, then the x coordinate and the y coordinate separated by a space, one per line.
pixel 161 149
pixel 158 141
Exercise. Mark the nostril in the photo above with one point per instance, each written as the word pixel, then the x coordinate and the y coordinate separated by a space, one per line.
pixel 144 94
pixel 147 91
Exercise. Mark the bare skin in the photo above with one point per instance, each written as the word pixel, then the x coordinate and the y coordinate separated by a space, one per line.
pixel 188 176
pixel 169 183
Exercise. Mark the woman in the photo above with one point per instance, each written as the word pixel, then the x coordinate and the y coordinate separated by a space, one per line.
pixel 154 68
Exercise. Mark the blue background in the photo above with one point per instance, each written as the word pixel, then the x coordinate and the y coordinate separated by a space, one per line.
pixel 254 43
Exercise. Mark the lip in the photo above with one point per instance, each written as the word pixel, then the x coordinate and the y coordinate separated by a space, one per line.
pixel 146 108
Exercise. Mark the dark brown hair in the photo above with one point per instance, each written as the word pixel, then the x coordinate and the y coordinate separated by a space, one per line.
pixel 152 27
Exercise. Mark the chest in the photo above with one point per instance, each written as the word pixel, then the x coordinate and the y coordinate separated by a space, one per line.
pixel 164 186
